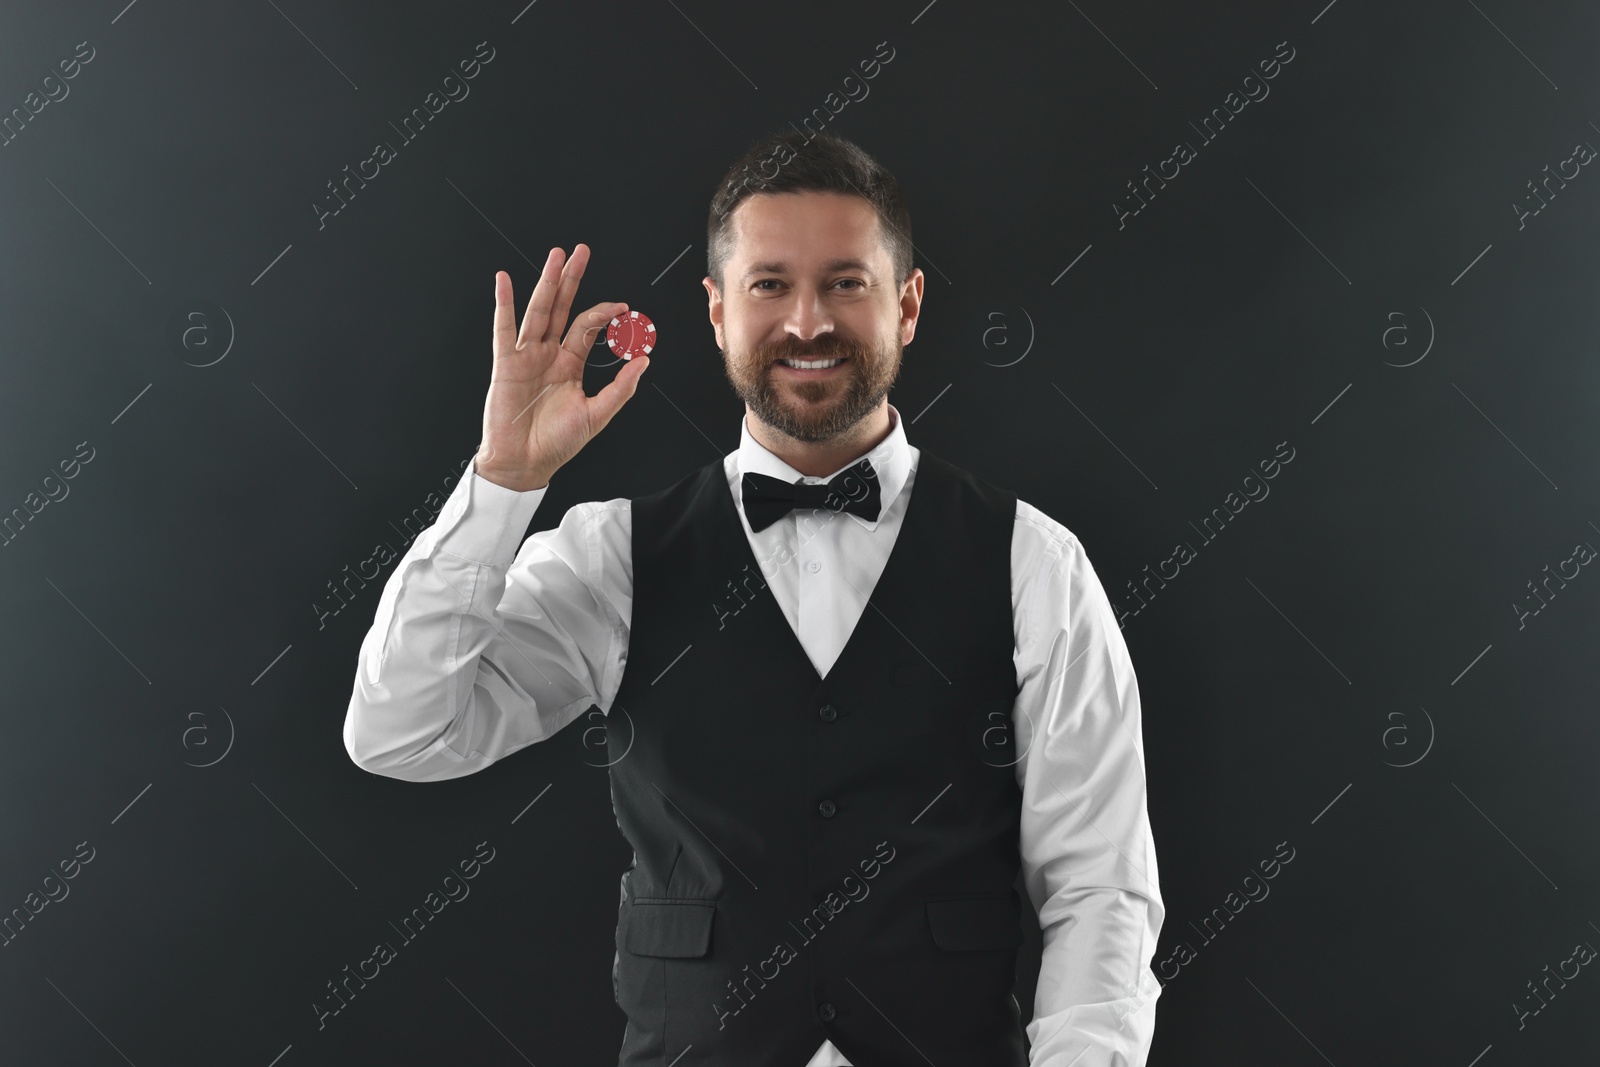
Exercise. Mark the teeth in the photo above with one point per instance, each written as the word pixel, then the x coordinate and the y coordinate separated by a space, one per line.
pixel 809 364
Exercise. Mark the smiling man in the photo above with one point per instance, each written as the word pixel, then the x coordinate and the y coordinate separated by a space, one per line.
pixel 854 697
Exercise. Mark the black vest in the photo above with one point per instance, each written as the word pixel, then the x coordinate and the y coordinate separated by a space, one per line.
pixel 819 857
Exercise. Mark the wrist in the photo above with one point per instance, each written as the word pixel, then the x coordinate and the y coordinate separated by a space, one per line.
pixel 519 481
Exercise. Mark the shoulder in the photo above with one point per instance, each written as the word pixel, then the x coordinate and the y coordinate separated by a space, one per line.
pixel 1036 537
pixel 696 481
pixel 925 462
pixel 1039 537
pixel 1053 576
pixel 667 512
pixel 963 493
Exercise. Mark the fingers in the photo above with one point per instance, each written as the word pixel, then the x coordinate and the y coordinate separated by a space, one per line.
pixel 571 275
pixel 581 337
pixel 536 320
pixel 505 314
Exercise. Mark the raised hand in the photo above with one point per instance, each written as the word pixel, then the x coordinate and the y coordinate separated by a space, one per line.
pixel 537 416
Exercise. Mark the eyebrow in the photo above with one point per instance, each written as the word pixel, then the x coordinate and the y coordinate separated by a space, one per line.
pixel 828 267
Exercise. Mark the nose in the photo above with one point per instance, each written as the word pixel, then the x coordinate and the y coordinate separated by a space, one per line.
pixel 808 317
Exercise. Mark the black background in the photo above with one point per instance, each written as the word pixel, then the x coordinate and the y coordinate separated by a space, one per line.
pixel 162 615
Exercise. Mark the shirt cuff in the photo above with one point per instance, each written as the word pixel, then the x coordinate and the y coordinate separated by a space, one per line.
pixel 484 522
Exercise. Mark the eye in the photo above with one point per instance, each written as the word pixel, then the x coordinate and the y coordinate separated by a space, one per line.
pixel 856 281
pixel 764 281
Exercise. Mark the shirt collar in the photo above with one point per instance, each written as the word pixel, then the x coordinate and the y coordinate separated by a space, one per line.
pixel 891 458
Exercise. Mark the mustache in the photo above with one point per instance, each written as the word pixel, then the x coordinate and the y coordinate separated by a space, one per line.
pixel 828 346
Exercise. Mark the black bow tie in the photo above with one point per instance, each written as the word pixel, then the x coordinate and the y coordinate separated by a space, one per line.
pixel 767 499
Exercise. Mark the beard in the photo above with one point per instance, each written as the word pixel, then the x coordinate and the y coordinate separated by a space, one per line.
pixel 819 409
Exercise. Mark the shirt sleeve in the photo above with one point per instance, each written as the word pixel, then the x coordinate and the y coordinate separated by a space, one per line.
pixel 1088 858
pixel 479 649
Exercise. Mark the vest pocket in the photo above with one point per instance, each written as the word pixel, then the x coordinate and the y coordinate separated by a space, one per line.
pixel 970 923
pixel 678 927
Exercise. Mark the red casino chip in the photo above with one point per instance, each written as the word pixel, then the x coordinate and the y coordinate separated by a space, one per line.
pixel 631 335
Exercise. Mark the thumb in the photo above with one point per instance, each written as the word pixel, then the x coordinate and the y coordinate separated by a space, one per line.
pixel 608 401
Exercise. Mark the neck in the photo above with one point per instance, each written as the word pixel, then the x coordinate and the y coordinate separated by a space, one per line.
pixel 818 459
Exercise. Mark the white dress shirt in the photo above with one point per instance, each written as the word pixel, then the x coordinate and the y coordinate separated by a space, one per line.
pixel 480 648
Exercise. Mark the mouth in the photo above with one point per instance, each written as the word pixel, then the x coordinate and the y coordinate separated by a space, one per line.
pixel 810 368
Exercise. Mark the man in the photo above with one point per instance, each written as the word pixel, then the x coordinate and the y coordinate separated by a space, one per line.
pixel 851 691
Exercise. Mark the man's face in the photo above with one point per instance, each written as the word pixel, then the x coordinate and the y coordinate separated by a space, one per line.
pixel 810 279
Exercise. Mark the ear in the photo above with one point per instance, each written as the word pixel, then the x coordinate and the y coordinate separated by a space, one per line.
pixel 910 305
pixel 714 307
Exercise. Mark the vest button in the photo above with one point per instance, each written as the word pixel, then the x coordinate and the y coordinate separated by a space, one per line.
pixel 826 1011
pixel 827 713
pixel 827 808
